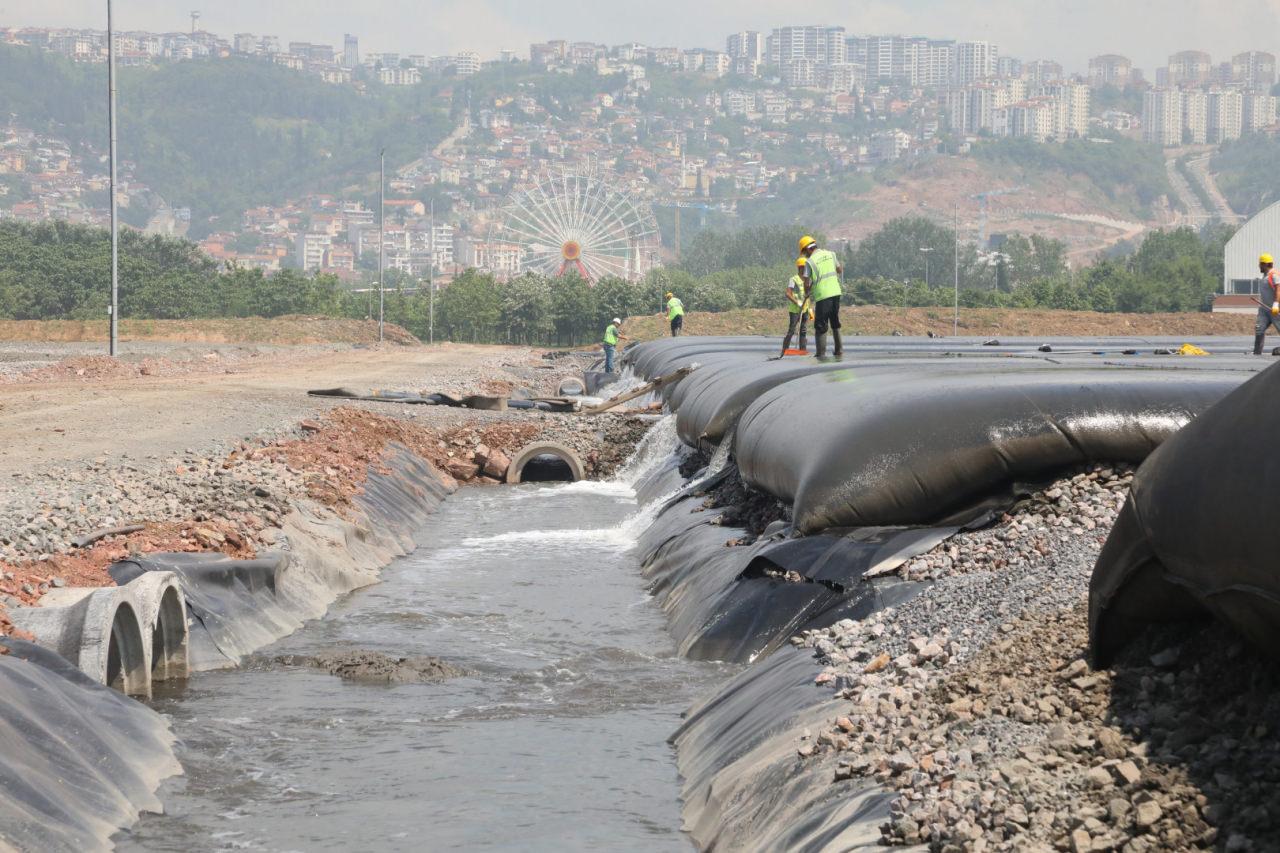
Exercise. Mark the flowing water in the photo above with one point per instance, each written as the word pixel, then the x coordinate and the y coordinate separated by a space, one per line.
pixel 554 740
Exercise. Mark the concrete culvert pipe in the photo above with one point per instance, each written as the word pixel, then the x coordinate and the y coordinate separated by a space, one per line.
pixel 545 461
pixel 571 387
pixel 163 612
pixel 99 630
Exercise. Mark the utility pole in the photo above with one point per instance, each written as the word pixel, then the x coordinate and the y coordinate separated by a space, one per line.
pixel 431 279
pixel 925 250
pixel 955 323
pixel 114 309
pixel 382 232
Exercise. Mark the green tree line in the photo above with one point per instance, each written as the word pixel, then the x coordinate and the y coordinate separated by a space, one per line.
pixel 60 271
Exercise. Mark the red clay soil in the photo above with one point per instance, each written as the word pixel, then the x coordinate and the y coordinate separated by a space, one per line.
pixel 335 454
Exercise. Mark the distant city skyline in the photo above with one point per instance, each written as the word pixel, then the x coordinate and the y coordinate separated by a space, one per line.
pixel 1069 31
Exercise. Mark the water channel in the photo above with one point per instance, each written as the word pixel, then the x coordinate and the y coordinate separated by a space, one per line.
pixel 554 740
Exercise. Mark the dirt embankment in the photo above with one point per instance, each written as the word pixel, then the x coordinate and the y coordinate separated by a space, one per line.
pixel 883 320
pixel 291 329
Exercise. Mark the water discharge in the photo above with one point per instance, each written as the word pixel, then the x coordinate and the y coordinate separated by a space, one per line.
pixel 555 738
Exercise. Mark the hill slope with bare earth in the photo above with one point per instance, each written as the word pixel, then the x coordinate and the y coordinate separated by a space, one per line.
pixel 882 320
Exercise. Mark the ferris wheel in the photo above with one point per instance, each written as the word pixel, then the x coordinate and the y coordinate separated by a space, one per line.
pixel 567 220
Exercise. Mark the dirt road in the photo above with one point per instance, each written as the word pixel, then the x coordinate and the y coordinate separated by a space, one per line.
pixel 73 420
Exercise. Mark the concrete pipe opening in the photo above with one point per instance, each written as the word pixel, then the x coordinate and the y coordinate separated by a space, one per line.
pixel 545 462
pixel 169 638
pixel 126 658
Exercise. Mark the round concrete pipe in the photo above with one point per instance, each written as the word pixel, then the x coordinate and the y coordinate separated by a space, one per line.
pixel 163 611
pixel 97 629
pixel 571 386
pixel 561 463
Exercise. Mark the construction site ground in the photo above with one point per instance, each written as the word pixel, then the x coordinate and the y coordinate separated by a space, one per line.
pixel 883 320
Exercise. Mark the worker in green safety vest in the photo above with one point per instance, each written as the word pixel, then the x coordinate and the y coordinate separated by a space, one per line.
pixel 824 271
pixel 612 334
pixel 675 314
pixel 798 308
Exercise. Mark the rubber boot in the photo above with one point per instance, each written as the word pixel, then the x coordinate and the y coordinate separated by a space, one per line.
pixel 839 347
pixel 822 346
pixel 1257 343
pixel 804 342
pixel 786 343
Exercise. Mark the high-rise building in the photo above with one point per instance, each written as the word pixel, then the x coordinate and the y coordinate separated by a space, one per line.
pixel 1071 106
pixel 1162 116
pixel 245 43
pixel 975 60
pixel 350 51
pixel 466 63
pixel 1042 71
pixel 1225 114
pixel 932 62
pixel 1255 69
pixel 1008 66
pixel 1195 117
pixel 1256 112
pixel 1110 69
pixel 799 73
pixel 1190 66
pixel 822 45
pixel 912 61
pixel 747 44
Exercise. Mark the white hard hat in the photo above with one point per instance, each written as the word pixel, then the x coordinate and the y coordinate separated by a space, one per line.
pixel 616 320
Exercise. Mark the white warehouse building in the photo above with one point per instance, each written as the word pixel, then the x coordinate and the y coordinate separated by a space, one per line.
pixel 1240 260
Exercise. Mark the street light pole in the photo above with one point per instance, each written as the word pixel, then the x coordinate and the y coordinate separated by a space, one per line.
pixel 114 309
pixel 925 250
pixel 431 279
pixel 382 233
pixel 955 323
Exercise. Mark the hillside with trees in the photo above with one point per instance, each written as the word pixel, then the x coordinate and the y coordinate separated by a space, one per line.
pixel 221 136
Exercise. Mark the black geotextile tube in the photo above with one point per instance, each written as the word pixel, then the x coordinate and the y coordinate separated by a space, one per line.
pixel 78 760
pixel 854 450
pixel 1199 531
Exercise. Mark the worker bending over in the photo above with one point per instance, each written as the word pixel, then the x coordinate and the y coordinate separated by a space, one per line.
pixel 798 308
pixel 823 274
pixel 1268 295
pixel 612 334
pixel 675 313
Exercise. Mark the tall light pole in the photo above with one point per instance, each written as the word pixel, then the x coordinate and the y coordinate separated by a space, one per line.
pixel 382 232
pixel 431 279
pixel 114 309
pixel 955 323
pixel 925 250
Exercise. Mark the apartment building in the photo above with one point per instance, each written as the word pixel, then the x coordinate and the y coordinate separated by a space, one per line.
pixel 1110 69
pixel 975 60
pixel 1189 67
pixel 1257 111
pixel 1255 70
pixel 748 44
pixel 1224 115
pixel 1042 71
pixel 311 250
pixel 820 45
pixel 1162 120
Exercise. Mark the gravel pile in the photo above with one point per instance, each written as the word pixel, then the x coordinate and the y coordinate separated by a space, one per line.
pixel 974 701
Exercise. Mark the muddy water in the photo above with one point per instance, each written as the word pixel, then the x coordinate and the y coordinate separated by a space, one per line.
pixel 555 740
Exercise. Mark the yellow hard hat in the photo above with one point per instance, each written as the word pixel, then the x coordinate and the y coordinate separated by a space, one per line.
pixel 1264 258
pixel 670 295
pixel 801 262
pixel 806 241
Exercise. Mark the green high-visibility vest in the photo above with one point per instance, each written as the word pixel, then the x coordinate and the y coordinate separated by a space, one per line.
pixel 611 335
pixel 675 308
pixel 796 288
pixel 824 280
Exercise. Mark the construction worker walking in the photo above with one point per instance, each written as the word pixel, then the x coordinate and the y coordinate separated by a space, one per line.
pixel 1268 301
pixel 675 314
pixel 798 308
pixel 612 334
pixel 824 291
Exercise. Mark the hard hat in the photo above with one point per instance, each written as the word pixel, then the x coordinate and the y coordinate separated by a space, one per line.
pixel 616 321
pixel 806 241
pixel 802 262
pixel 1264 258
pixel 670 295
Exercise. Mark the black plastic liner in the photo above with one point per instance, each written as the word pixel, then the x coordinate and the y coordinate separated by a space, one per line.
pixel 1198 532
pixel 893 448
pixel 78 760
pixel 745 787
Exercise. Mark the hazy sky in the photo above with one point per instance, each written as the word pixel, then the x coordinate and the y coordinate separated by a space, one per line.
pixel 1069 31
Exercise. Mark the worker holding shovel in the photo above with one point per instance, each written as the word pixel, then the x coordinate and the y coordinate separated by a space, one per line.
pixel 799 309
pixel 1268 302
